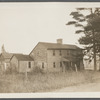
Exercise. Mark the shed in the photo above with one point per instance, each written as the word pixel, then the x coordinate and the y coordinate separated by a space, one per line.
pixel 22 63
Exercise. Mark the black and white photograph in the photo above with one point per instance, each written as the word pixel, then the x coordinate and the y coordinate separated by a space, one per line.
pixel 49 47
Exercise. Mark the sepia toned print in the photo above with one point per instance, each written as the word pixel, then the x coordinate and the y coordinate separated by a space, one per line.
pixel 49 47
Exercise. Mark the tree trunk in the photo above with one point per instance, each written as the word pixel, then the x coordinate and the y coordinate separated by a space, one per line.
pixel 99 62
pixel 95 67
pixel 94 49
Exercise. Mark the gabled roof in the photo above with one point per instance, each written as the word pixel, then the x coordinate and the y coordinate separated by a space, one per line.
pixel 7 55
pixel 58 46
pixel 22 57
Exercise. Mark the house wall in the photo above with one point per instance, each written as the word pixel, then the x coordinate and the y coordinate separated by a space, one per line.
pixel 51 59
pixel 39 54
pixel 57 59
pixel 4 64
pixel 14 63
pixel 7 60
pixel 23 66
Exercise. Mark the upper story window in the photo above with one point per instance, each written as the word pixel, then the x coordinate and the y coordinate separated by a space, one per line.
pixel 74 52
pixel 68 52
pixel 53 52
pixel 29 64
pixel 54 65
pixel 60 52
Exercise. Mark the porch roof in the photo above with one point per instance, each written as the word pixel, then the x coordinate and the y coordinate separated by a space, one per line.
pixel 69 59
pixel 64 59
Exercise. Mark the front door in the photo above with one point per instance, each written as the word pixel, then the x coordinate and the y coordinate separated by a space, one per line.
pixel 67 65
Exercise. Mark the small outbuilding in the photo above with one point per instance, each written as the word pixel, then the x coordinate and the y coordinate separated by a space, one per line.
pixel 5 59
pixel 22 63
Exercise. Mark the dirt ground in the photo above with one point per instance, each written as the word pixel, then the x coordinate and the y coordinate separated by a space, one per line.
pixel 85 87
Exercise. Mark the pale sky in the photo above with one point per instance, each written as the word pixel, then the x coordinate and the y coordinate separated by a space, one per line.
pixel 23 25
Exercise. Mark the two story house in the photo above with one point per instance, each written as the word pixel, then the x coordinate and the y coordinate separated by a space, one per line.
pixel 57 56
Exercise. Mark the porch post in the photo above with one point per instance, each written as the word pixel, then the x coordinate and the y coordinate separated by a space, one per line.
pixel 75 67
pixel 63 67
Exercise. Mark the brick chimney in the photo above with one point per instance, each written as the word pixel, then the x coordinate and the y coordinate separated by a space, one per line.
pixel 59 41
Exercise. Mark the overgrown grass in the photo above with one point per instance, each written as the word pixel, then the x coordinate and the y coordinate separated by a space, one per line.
pixel 43 82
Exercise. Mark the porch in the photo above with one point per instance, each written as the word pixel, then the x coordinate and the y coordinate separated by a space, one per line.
pixel 70 64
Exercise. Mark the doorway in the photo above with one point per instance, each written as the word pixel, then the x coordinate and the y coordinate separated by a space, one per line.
pixel 67 65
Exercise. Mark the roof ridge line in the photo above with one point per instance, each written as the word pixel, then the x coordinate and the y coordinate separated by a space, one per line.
pixel 57 43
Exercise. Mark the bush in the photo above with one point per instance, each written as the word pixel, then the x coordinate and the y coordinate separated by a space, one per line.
pixel 88 75
pixel 39 82
pixel 11 70
pixel 37 70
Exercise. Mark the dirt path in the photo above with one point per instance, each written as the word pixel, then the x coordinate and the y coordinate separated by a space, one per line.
pixel 85 87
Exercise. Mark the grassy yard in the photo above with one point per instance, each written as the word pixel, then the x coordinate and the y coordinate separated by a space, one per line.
pixel 43 82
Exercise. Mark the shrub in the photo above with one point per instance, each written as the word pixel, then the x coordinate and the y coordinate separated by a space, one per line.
pixel 36 70
pixel 39 82
pixel 11 70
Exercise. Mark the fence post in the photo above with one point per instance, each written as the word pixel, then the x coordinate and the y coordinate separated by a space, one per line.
pixel 26 73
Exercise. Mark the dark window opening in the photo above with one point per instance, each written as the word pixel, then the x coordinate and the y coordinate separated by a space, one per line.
pixel 60 64
pixel 60 53
pixel 68 52
pixel 54 65
pixel 29 64
pixel 42 65
pixel 53 52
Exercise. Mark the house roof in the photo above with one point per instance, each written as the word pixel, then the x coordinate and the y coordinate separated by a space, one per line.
pixel 22 57
pixel 67 59
pixel 58 46
pixel 7 55
pixel 64 59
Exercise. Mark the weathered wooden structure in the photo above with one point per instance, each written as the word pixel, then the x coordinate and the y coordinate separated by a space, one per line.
pixel 57 56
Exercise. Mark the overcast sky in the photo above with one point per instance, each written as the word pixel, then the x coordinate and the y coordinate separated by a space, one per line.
pixel 23 25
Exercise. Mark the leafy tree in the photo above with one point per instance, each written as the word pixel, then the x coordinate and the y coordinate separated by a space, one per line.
pixel 89 25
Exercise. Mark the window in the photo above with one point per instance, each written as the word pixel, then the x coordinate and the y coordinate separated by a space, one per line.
pixel 68 52
pixel 60 64
pixel 60 52
pixel 42 65
pixel 29 64
pixel 53 52
pixel 54 65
